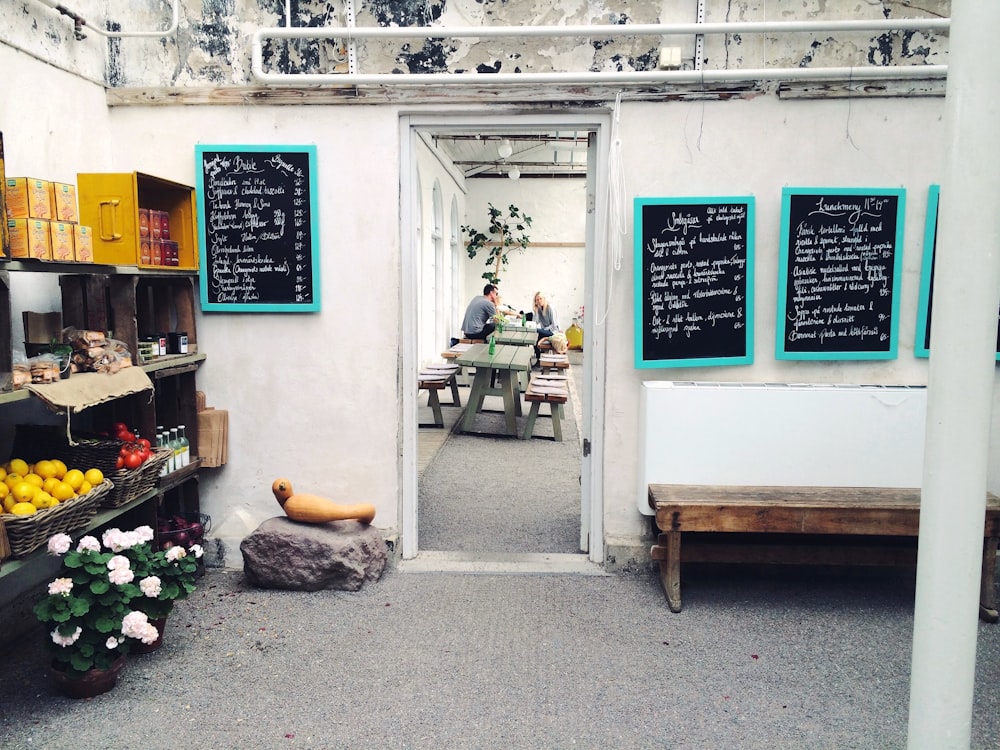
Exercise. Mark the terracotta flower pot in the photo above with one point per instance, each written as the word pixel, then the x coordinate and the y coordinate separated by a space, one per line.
pixel 87 685
pixel 147 648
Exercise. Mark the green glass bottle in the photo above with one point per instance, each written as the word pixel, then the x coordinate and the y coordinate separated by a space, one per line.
pixel 493 345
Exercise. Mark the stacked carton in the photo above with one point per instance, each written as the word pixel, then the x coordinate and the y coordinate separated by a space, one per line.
pixel 42 221
pixel 213 433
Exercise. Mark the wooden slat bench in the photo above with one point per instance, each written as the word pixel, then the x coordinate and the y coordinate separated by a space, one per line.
pixel 546 389
pixel 721 524
pixel 436 378
pixel 551 362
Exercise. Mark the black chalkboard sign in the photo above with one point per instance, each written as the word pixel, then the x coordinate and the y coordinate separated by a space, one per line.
pixel 922 344
pixel 258 224
pixel 839 273
pixel 693 281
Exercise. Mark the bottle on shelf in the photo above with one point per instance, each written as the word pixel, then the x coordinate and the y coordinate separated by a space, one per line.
pixel 175 445
pixel 161 442
pixel 185 446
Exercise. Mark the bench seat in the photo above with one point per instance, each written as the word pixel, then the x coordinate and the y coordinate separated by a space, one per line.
pixel 436 378
pixel 709 515
pixel 546 389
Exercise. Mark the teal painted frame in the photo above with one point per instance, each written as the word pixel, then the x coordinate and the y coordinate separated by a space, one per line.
pixel 747 358
pixel 897 267
pixel 927 272
pixel 293 307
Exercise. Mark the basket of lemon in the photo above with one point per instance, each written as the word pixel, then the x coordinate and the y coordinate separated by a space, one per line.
pixel 46 498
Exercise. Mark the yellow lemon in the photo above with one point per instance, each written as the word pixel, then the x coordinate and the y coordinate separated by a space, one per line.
pixel 3 473
pixel 13 478
pixel 74 478
pixel 62 491
pixel 34 479
pixel 23 509
pixel 60 467
pixel 17 466
pixel 94 476
pixel 49 483
pixel 4 490
pixel 44 500
pixel 45 469
pixel 24 492
pixel 85 488
pixel 8 503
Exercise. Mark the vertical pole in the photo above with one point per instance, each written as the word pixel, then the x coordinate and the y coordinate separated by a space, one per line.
pixel 961 382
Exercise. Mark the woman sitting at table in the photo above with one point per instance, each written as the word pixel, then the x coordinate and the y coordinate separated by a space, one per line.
pixel 546 320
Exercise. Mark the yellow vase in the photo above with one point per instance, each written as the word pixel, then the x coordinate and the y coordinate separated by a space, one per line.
pixel 574 336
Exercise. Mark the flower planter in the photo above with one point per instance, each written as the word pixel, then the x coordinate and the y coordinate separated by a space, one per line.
pixel 89 684
pixel 148 648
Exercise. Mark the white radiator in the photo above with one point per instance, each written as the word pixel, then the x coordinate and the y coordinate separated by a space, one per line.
pixel 780 435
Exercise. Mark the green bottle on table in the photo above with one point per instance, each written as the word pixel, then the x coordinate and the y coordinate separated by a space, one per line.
pixel 493 345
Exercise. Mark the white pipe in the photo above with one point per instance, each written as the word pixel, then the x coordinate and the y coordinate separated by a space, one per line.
pixel 81 22
pixel 960 393
pixel 593 77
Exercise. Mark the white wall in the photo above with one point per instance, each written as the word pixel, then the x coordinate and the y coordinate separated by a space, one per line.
pixel 554 263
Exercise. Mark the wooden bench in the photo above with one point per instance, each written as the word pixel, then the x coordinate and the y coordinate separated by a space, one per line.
pixel 551 362
pixel 546 389
pixel 434 378
pixel 719 524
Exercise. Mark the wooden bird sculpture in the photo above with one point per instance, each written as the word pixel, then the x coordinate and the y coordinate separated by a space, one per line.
pixel 315 509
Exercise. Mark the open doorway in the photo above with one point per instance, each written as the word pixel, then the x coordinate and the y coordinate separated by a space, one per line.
pixel 435 267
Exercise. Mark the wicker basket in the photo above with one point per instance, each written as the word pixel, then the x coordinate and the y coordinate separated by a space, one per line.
pixel 131 483
pixel 28 533
pixel 35 442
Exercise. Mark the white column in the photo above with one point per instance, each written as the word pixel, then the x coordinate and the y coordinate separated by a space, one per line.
pixel 962 365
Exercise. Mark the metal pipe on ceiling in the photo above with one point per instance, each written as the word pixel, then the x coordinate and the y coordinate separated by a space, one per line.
pixel 80 23
pixel 594 30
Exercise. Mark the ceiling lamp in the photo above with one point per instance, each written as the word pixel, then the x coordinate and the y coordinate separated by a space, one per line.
pixel 514 173
pixel 505 149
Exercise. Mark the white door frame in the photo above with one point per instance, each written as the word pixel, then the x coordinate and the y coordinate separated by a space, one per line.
pixel 595 346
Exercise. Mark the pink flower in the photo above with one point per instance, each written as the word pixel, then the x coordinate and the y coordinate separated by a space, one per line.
pixel 176 553
pixel 114 540
pixel 150 586
pixel 61 586
pixel 65 640
pixel 144 534
pixel 88 544
pixel 134 623
pixel 59 544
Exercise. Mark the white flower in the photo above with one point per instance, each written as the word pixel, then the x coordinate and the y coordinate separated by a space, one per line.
pixel 88 544
pixel 66 640
pixel 149 633
pixel 59 544
pixel 118 561
pixel 176 553
pixel 112 643
pixel 61 586
pixel 120 576
pixel 114 540
pixel 197 551
pixel 150 586
pixel 144 534
pixel 134 624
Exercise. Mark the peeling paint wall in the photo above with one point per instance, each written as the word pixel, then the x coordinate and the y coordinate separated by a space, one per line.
pixel 212 44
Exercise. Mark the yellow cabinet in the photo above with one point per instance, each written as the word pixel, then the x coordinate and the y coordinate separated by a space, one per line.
pixel 110 203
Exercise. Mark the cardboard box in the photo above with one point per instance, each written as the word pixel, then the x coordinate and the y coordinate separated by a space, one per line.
pixel 83 243
pixel 64 202
pixel 28 198
pixel 63 242
pixel 40 330
pixel 29 238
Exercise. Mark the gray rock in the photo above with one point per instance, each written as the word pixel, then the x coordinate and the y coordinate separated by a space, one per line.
pixel 285 554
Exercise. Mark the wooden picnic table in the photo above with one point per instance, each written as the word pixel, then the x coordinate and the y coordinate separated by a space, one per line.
pixel 506 363
pixel 516 337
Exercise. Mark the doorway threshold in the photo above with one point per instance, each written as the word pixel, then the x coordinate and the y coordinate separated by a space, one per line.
pixel 501 563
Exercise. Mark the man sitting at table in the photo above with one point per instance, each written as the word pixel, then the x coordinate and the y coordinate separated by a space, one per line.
pixel 478 321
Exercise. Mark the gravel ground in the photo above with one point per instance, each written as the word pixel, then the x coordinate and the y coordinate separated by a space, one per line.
pixel 757 659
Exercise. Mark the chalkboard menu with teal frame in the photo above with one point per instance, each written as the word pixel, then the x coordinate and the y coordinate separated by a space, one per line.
pixel 693 281
pixel 258 228
pixel 839 267
pixel 922 342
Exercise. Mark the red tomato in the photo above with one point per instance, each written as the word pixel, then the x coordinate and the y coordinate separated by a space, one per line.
pixel 125 435
pixel 119 427
pixel 145 444
pixel 120 463
pixel 133 461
